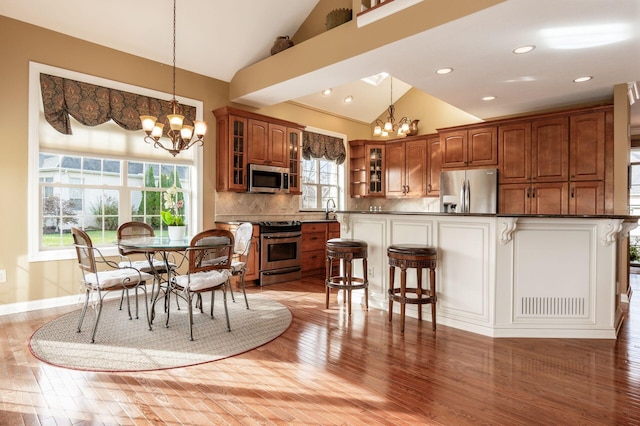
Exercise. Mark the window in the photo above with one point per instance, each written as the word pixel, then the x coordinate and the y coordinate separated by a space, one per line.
pixel 321 181
pixel 100 176
pixel 92 194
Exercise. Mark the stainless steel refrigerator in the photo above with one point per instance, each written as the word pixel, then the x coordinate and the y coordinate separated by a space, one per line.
pixel 469 191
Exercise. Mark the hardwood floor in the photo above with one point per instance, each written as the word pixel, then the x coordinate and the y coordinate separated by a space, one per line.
pixel 327 369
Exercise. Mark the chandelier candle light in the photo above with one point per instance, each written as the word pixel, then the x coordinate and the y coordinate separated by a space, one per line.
pixel 404 127
pixel 180 134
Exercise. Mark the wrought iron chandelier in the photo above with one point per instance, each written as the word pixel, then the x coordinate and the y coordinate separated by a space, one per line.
pixel 390 126
pixel 181 135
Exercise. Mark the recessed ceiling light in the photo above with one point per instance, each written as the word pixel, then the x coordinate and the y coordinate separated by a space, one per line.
pixel 348 99
pixel 582 79
pixel 443 71
pixel 523 49
pixel 326 92
pixel 488 98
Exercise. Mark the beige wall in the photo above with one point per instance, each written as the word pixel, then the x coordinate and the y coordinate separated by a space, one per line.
pixel 41 280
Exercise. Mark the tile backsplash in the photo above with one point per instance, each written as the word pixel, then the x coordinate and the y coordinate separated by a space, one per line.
pixel 232 206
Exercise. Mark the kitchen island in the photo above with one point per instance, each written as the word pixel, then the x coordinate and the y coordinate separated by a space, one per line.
pixel 509 276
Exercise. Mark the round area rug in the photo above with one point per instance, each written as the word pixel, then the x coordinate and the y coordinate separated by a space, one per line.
pixel 128 345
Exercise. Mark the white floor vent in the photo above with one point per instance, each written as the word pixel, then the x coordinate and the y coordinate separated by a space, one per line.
pixel 553 307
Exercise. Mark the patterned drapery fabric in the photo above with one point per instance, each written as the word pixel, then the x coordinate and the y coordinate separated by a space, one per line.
pixel 92 105
pixel 315 145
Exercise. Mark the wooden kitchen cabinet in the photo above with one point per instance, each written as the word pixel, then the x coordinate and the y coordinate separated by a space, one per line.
pixel 314 242
pixel 569 152
pixel 231 136
pixel 586 198
pixel 550 149
pixel 473 147
pixel 434 166
pixel 587 146
pixel 269 144
pixel 294 138
pixel 244 137
pixel 539 198
pixel 253 260
pixel 406 169
pixel 514 151
pixel 367 169
pixel 536 151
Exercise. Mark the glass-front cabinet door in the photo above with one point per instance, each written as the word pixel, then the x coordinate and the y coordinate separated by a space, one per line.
pixel 294 137
pixel 376 171
pixel 238 141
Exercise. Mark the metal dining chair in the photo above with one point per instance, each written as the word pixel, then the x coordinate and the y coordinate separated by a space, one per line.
pixel 242 245
pixel 151 264
pixel 209 255
pixel 110 277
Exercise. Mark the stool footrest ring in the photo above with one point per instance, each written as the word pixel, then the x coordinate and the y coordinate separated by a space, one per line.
pixel 341 283
pixel 412 300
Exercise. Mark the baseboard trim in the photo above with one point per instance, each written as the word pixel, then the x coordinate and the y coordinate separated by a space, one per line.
pixel 54 302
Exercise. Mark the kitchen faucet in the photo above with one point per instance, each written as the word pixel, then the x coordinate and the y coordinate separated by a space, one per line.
pixel 333 208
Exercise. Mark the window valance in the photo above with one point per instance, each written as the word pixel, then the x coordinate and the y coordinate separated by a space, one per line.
pixel 92 105
pixel 316 145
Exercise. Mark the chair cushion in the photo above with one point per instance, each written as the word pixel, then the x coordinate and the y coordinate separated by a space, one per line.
pixel 117 278
pixel 203 280
pixel 243 237
pixel 143 265
pixel 237 267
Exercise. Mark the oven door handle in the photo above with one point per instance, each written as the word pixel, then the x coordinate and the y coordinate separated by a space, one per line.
pixel 277 237
pixel 282 271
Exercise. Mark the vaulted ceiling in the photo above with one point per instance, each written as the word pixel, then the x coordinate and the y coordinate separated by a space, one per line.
pixel 217 38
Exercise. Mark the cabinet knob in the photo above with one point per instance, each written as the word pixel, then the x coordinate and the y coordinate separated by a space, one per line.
pixel 429 188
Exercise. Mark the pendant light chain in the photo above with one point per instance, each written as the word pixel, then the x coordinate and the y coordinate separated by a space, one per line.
pixel 174 51
pixel 181 135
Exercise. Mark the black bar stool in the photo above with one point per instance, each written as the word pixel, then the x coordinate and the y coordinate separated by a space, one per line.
pixel 346 250
pixel 415 256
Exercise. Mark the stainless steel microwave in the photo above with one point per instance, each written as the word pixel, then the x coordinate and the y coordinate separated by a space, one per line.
pixel 268 179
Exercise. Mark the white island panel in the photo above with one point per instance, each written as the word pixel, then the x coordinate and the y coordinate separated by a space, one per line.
pixel 465 269
pixel 372 229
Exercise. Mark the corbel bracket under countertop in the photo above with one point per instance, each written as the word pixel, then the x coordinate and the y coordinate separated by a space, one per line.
pixel 508 225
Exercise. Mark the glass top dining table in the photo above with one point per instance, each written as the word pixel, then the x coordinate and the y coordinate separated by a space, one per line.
pixel 154 244
pixel 164 246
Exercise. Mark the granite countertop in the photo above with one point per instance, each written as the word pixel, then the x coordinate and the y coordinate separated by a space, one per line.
pixel 237 222
pixel 552 216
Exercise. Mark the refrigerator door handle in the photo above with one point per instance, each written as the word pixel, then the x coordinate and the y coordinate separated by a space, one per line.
pixel 467 198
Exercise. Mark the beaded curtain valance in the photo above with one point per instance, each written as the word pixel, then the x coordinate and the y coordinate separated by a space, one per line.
pixel 92 105
pixel 315 145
